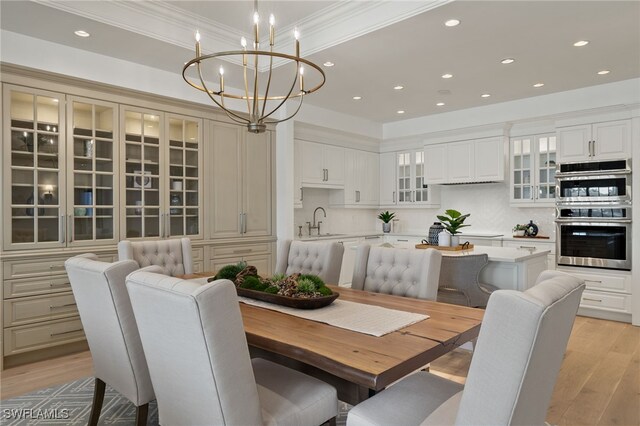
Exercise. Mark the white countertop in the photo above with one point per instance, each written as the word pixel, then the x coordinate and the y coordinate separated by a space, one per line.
pixel 500 254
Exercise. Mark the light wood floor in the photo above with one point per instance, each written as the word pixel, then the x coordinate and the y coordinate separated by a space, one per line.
pixel 598 384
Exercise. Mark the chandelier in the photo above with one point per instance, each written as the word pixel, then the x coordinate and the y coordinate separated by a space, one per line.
pixel 260 103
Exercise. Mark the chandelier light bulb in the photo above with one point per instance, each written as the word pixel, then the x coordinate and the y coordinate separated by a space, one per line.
pixel 296 34
pixel 221 71
pixel 243 42
pixel 301 70
pixel 256 17
pixel 197 36
pixel 272 19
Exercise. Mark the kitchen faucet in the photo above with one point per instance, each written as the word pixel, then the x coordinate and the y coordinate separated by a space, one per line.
pixel 314 220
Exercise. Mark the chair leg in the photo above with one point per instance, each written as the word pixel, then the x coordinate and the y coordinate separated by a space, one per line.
pixel 141 415
pixel 331 421
pixel 98 397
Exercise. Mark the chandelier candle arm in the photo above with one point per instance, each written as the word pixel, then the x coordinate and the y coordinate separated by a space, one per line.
pixel 266 91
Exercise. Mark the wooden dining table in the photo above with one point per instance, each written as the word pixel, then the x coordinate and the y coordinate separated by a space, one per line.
pixel 359 364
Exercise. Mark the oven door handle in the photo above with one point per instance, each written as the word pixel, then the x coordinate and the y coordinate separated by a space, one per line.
pixel 592 175
pixel 578 220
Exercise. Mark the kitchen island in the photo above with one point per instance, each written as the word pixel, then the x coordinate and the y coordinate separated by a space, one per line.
pixel 509 268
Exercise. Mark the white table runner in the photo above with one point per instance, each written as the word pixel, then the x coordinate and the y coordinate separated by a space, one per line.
pixel 368 319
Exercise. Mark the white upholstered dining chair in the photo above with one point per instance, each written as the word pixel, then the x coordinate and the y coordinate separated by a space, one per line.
pixel 199 362
pixel 460 281
pixel 520 348
pixel 111 331
pixel 323 259
pixel 401 272
pixel 173 256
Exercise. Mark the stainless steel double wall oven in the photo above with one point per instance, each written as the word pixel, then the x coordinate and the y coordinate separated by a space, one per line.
pixel 593 214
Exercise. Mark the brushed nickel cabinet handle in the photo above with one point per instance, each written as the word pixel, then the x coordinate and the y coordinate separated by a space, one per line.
pixel 52 285
pixel 394 196
pixel 64 332
pixel 62 229
pixel 527 247
pixel 51 307
pixel 594 281
pixel 592 299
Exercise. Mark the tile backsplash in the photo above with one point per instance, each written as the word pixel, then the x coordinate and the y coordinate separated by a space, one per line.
pixel 488 204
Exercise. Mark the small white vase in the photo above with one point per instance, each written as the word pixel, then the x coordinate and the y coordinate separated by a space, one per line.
pixel 444 239
pixel 455 240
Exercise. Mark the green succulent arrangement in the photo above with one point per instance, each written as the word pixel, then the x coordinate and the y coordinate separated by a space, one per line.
pixel 453 220
pixel 295 285
pixel 386 217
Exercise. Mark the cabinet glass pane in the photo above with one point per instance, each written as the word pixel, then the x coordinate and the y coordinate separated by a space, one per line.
pixel 93 178
pixel 142 174
pixel 34 193
pixel 183 177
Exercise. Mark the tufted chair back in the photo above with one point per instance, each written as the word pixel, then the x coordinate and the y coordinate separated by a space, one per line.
pixel 173 256
pixel 323 259
pixel 401 272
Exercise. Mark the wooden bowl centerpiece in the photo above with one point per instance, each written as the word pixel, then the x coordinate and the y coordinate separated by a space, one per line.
pixel 302 291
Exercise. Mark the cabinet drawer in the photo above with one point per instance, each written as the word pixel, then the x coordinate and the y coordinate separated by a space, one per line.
pixel 606 301
pixel 39 267
pixel 34 287
pixel 40 336
pixel 26 310
pixel 240 250
pixel 197 254
pixel 613 283
pixel 527 244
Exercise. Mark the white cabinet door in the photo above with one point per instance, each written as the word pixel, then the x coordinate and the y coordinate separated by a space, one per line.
pixel 460 162
pixel 257 184
pixel 612 140
pixel 298 193
pixel 312 162
pixel 573 143
pixel 435 169
pixel 334 164
pixel 226 203
pixel 489 159
pixel 371 180
pixel 352 162
pixel 387 178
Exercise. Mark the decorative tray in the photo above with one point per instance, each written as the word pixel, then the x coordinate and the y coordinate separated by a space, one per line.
pixel 443 248
pixel 292 302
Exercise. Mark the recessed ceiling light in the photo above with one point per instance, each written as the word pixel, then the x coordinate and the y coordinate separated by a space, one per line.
pixel 440 104
pixel 581 43
pixel 485 95
pixel 603 72
pixel 538 85
pixel 452 22
pixel 398 87
pixel 447 75
pixel 507 61
pixel 328 64
pixel 400 111
pixel 357 98
pixel 81 33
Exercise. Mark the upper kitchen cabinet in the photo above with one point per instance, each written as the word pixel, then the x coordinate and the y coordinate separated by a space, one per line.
pixel 402 180
pixel 598 141
pixel 33 194
pixel 480 160
pixel 241 203
pixel 161 162
pixel 361 188
pixel 533 169
pixel 323 165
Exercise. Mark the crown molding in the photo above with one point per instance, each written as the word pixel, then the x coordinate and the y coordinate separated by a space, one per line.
pixel 312 133
pixel 330 26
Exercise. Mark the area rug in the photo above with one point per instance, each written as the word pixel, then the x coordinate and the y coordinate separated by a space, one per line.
pixel 70 404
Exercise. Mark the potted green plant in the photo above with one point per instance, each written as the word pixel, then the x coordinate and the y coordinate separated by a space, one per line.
pixel 519 230
pixel 386 219
pixel 453 220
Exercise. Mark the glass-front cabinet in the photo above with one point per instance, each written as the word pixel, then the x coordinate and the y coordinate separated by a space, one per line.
pixel 162 165
pixel 92 172
pixel 33 172
pixel 533 168
pixel 410 176
pixel 184 174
